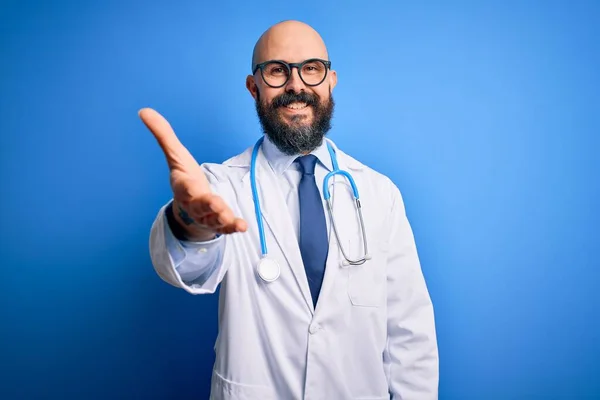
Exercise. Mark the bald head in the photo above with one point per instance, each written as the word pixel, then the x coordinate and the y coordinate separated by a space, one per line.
pixel 294 105
pixel 291 41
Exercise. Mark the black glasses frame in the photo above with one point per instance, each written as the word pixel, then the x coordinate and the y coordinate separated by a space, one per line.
pixel 289 67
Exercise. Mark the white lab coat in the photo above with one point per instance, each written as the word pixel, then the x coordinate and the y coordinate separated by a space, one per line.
pixel 372 333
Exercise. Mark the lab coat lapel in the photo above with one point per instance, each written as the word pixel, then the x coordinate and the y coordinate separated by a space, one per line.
pixel 279 221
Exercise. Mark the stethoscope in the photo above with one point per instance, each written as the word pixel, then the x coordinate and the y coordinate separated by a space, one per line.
pixel 268 268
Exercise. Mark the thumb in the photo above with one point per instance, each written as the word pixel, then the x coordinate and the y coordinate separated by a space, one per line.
pixel 175 152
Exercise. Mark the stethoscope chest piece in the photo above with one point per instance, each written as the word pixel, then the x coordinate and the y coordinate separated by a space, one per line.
pixel 268 269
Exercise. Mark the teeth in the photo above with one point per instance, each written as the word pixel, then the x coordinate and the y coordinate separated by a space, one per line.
pixel 296 106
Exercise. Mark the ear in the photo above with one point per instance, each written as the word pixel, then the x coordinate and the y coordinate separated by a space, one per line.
pixel 332 79
pixel 251 86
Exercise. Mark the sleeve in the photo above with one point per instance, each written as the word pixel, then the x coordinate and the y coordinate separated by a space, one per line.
pixel 411 355
pixel 196 267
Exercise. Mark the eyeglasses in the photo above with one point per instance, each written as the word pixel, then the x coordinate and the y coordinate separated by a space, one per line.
pixel 277 73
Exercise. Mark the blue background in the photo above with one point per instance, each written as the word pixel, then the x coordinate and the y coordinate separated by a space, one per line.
pixel 486 114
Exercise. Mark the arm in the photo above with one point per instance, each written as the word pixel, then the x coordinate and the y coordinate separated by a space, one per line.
pixel 411 355
pixel 184 246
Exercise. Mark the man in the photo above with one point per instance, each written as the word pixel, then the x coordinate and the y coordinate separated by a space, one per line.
pixel 312 325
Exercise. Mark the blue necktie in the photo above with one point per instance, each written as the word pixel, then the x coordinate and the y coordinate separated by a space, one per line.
pixel 314 243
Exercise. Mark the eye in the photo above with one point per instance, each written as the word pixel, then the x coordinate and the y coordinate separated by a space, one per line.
pixel 276 69
pixel 313 68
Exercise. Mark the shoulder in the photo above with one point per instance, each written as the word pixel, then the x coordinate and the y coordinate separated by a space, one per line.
pixel 375 187
pixel 381 201
pixel 374 178
pixel 235 167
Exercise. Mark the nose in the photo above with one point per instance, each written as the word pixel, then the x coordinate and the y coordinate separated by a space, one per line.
pixel 294 84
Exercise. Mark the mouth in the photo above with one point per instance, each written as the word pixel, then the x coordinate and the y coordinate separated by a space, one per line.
pixel 296 106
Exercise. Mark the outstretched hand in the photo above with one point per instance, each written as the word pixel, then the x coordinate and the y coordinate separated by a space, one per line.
pixel 201 212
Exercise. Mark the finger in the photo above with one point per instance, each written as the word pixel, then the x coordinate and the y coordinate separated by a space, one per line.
pixel 227 230
pixel 224 222
pixel 226 217
pixel 212 211
pixel 218 205
pixel 210 221
pixel 173 149
pixel 240 225
pixel 220 220
pixel 208 203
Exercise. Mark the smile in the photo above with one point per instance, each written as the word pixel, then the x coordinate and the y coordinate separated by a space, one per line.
pixel 296 106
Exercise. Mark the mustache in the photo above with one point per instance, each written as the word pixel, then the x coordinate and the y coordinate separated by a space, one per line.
pixel 288 98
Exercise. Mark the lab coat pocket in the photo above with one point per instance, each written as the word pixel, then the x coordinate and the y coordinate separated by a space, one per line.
pixel 367 282
pixel 224 389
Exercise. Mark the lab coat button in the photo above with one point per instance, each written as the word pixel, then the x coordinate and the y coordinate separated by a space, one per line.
pixel 314 328
pixel 202 250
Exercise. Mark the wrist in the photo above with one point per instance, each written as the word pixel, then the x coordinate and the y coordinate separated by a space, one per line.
pixel 183 227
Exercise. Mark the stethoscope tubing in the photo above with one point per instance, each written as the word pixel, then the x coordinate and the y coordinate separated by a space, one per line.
pixel 329 202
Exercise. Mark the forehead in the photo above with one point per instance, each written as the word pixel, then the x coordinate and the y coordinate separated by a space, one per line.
pixel 292 48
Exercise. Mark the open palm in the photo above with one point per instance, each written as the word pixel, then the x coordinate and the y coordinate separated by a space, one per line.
pixel 200 211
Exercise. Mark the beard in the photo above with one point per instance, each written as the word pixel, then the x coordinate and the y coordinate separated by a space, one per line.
pixel 295 137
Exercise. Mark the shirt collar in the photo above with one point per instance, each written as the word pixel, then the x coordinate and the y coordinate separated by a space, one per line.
pixel 280 161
